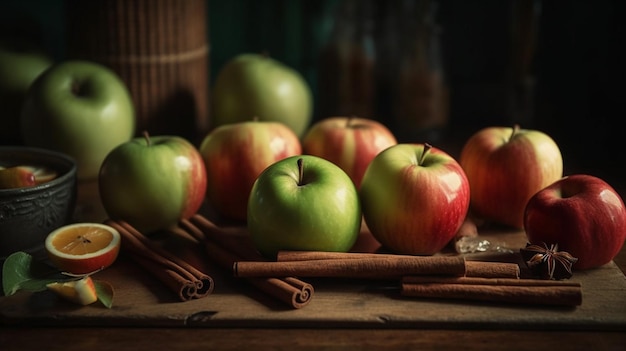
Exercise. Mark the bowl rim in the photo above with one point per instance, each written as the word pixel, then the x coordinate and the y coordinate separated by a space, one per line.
pixel 56 155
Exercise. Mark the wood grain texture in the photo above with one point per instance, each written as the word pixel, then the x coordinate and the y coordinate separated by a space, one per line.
pixel 133 339
pixel 141 300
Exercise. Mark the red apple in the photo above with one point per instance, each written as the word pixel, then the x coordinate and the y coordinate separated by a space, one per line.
pixel 414 198
pixel 152 182
pixel 581 213
pixel 349 142
pixel 505 167
pixel 235 154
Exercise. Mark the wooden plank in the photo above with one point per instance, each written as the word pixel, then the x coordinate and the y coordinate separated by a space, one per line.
pixel 142 301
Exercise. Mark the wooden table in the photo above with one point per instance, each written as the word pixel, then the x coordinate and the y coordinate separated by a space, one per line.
pixel 25 337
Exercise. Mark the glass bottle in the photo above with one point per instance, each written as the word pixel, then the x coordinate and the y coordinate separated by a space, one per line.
pixel 421 102
pixel 346 77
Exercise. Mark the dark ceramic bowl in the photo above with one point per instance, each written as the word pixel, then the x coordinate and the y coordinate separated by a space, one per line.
pixel 29 214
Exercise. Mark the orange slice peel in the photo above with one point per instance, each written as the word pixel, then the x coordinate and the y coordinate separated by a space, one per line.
pixel 83 248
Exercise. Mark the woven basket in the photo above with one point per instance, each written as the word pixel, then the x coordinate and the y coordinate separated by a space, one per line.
pixel 159 48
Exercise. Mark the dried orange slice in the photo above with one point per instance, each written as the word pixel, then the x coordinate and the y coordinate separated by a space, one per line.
pixel 82 291
pixel 83 248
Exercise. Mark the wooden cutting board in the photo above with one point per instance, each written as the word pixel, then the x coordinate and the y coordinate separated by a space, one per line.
pixel 140 300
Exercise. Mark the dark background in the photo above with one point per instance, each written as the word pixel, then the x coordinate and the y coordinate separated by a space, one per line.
pixel 575 63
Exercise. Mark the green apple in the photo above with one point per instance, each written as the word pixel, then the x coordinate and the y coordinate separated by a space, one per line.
pixel 153 182
pixel 80 108
pixel 20 64
pixel 303 203
pixel 252 85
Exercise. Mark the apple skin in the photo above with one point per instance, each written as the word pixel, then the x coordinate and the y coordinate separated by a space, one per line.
pixel 505 169
pixel 80 108
pixel 82 291
pixel 411 206
pixel 20 64
pixel 581 213
pixel 16 177
pixel 234 156
pixel 252 85
pixel 349 142
pixel 321 213
pixel 153 182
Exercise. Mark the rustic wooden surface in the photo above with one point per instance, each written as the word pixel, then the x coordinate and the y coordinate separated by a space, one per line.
pixel 140 300
pixel 341 315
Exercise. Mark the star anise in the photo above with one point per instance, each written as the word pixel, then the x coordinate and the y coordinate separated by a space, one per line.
pixel 548 262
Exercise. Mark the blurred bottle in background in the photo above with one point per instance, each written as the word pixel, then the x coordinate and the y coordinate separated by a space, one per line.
pixel 521 76
pixel 383 61
pixel 420 107
pixel 427 68
pixel 347 62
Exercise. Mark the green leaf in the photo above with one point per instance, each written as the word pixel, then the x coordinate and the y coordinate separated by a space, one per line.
pixel 105 292
pixel 21 272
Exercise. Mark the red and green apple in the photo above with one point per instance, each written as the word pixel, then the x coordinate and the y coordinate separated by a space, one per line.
pixel 235 154
pixel 16 177
pixel 349 142
pixel 303 203
pixel 505 167
pixel 153 182
pixel 415 198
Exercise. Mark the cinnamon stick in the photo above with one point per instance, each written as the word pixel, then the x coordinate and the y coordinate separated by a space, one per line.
pixel 472 268
pixel 289 290
pixel 292 291
pixel 518 291
pixel 181 277
pixel 233 239
pixel 485 269
pixel 373 268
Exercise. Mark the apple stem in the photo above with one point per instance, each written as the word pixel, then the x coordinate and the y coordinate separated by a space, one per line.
pixel 76 89
pixel 427 148
pixel 147 137
pixel 349 121
pixel 515 131
pixel 300 170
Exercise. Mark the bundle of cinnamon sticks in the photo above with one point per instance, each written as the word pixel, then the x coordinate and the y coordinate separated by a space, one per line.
pixel 223 250
pixel 443 277
pixel 181 277
pixel 187 281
